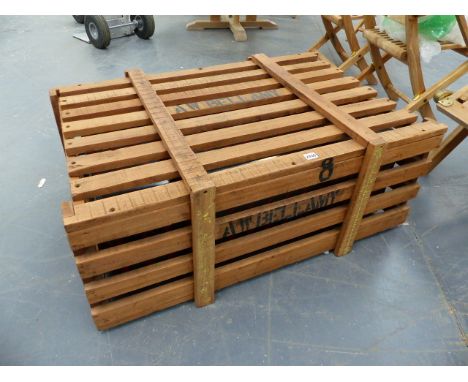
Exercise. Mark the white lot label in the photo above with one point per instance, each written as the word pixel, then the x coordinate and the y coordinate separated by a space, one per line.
pixel 310 156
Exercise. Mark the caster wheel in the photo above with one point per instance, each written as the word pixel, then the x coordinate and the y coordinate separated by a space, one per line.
pixel 79 19
pixel 145 28
pixel 98 31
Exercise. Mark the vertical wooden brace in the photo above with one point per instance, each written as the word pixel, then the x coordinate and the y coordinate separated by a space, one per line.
pixel 414 64
pixel 361 194
pixel 203 244
pixel 202 189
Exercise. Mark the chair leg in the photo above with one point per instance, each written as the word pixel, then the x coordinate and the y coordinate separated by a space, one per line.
pixel 371 67
pixel 322 41
pixel 453 140
pixel 461 20
pixel 414 64
pixel 354 45
pixel 334 40
pixel 379 65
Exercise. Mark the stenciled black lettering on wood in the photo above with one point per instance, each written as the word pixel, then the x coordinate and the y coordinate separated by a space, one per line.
pixel 233 100
pixel 279 214
pixel 327 169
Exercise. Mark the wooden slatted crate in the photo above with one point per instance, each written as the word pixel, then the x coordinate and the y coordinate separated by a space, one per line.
pixel 184 183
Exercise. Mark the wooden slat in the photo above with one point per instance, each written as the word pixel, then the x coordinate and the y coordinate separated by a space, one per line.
pixel 118 312
pixel 203 212
pixel 80 145
pixel 135 252
pixel 128 104
pixel 413 61
pixel 155 151
pixel 202 189
pixel 132 136
pixel 311 72
pixel 341 119
pixel 264 179
pixel 259 113
pixel 230 179
pixel 113 286
pixel 302 249
pixel 242 101
pixel 140 175
pixel 190 169
pixel 183 74
pixel 248 113
pixel 455 106
pixel 380 39
pixel 217 98
pixel 101 122
pixel 54 100
pixel 425 97
pixel 131 177
pixel 197 83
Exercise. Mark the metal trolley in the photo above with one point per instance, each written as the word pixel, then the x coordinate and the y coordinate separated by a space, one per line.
pixel 100 30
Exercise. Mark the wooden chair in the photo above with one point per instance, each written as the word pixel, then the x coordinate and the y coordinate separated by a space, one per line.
pixel 408 53
pixel 334 24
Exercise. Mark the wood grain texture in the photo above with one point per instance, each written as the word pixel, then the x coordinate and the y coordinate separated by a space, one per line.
pixel 187 182
pixel 365 183
pixel 350 126
pixel 202 189
pixel 118 312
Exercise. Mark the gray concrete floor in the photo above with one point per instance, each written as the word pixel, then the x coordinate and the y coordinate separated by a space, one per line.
pixel 399 298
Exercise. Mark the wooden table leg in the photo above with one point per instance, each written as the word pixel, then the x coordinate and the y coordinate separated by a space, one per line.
pixel 234 23
pixel 215 22
pixel 237 29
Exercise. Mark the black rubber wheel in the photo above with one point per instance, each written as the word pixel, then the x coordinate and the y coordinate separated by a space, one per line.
pixel 98 31
pixel 79 19
pixel 145 28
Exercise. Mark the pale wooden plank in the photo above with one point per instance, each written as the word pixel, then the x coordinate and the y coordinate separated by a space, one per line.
pixel 202 189
pixel 311 97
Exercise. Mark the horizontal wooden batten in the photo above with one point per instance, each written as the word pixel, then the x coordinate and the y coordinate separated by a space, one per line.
pixel 252 114
pixel 164 170
pixel 127 101
pixel 113 258
pixel 184 74
pixel 139 118
pixel 121 284
pixel 155 151
pixel 126 309
pixel 71 102
pixel 289 177
pixel 131 136
pixel 146 174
